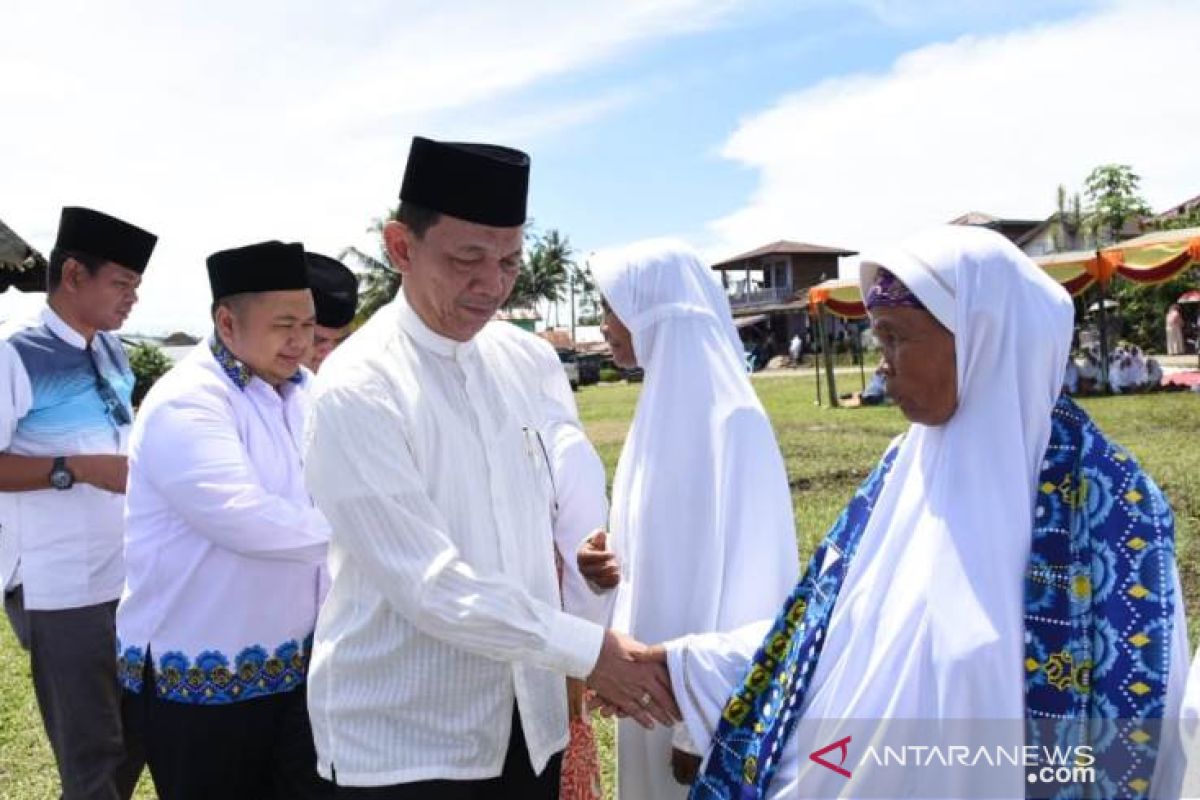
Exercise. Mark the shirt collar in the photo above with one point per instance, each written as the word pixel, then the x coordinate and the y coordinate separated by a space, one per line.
pixel 235 369
pixel 59 327
pixel 426 337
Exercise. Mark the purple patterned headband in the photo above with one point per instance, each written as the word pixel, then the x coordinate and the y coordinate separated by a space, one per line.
pixel 889 292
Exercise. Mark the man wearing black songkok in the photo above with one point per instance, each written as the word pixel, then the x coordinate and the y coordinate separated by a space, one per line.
pixel 65 415
pixel 443 647
pixel 335 294
pixel 226 553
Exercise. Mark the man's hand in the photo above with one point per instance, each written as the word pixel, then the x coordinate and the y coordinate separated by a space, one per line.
pixel 106 472
pixel 633 682
pixel 598 565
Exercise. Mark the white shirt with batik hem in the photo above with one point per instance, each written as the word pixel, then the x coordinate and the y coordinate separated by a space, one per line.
pixel 224 548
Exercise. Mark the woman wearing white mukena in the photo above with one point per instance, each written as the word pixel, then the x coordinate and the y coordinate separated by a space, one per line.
pixel 701 512
pixel 1004 572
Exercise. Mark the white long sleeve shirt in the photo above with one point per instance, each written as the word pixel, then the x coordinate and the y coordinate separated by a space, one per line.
pixel 444 605
pixel 580 508
pixel 65 546
pixel 224 547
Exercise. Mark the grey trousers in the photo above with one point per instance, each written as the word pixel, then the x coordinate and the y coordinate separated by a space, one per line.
pixel 73 658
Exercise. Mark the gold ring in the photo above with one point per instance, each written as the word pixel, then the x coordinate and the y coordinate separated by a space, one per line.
pixel 645 699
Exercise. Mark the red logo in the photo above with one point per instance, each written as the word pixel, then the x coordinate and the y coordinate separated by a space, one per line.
pixel 840 746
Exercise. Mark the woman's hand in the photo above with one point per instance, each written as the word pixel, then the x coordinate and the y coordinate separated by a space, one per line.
pixel 598 565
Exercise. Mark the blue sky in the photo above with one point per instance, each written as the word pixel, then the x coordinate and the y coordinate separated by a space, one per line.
pixel 687 95
pixel 728 124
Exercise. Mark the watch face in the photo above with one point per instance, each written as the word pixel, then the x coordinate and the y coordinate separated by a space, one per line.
pixel 61 478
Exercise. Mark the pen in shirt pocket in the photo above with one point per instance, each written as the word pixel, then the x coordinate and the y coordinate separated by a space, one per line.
pixel 535 446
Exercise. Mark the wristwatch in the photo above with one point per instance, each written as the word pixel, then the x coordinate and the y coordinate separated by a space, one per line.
pixel 61 477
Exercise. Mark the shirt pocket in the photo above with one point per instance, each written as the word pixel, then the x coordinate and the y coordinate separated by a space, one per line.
pixel 538 478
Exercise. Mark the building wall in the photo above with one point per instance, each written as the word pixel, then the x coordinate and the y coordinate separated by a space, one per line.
pixel 1040 245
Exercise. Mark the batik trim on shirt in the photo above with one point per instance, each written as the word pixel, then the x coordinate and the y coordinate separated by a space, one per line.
pixel 212 679
pixel 235 369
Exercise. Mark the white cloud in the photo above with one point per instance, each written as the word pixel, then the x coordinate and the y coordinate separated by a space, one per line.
pixel 222 123
pixel 916 14
pixel 543 123
pixel 992 124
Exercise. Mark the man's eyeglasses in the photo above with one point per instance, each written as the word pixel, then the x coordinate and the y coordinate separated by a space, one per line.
pixel 114 406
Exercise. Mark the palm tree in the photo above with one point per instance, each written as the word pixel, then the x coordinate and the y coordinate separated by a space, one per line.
pixel 1067 221
pixel 584 283
pixel 379 280
pixel 545 272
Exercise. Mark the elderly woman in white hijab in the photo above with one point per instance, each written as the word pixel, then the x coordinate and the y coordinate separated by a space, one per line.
pixel 1005 577
pixel 701 509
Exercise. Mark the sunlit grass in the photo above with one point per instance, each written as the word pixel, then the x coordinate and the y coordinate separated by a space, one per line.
pixel 828 452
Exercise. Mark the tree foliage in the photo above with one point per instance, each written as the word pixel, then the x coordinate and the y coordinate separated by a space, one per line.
pixel 378 279
pixel 1143 309
pixel 546 271
pixel 1067 225
pixel 149 363
pixel 1113 199
pixel 589 296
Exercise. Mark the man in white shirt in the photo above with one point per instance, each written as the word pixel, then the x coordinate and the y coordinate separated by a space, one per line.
pixel 65 413
pixel 440 652
pixel 335 295
pixel 225 550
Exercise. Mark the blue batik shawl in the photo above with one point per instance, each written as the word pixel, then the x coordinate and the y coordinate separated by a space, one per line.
pixel 1099 608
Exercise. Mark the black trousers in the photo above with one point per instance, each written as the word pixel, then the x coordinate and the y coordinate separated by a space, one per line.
pixel 518 781
pixel 260 749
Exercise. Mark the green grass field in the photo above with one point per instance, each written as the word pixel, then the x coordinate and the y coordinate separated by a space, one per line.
pixel 828 453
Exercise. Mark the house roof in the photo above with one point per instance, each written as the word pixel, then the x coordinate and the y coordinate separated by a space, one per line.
pixel 798 303
pixel 987 220
pixel 1179 209
pixel 975 218
pixel 1014 229
pixel 1037 230
pixel 784 247
pixel 13 249
pixel 20 265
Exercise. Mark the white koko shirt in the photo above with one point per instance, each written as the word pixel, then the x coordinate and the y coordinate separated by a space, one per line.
pixel 444 606
pixel 224 548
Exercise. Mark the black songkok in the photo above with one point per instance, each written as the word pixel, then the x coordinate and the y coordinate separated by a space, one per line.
pixel 262 267
pixel 482 183
pixel 92 233
pixel 334 288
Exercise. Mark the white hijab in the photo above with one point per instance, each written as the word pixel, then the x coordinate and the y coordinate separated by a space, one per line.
pixel 701 507
pixel 930 621
pixel 929 624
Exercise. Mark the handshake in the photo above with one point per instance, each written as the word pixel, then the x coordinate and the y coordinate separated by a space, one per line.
pixel 630 679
